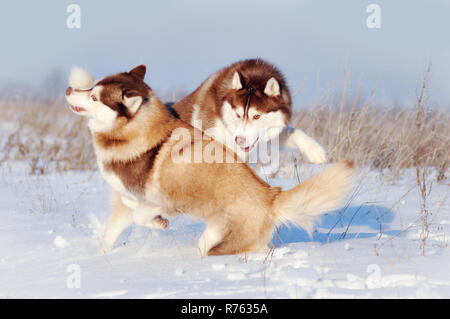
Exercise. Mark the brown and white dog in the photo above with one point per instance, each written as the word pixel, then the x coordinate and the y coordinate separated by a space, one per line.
pixel 245 105
pixel 134 140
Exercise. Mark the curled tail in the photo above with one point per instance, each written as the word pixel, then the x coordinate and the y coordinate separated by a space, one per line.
pixel 322 193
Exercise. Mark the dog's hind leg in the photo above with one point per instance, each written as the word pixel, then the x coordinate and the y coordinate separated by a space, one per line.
pixel 227 246
pixel 238 241
pixel 121 218
pixel 232 243
pixel 212 235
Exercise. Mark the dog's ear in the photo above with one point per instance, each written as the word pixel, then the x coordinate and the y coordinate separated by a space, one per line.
pixel 236 82
pixel 272 87
pixel 132 101
pixel 139 72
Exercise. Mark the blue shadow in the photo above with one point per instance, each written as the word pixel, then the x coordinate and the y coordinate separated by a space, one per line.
pixel 339 226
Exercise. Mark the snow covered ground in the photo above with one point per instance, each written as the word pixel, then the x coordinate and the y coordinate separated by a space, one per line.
pixel 50 227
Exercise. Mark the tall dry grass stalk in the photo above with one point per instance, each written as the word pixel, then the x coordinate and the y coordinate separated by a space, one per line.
pixel 422 95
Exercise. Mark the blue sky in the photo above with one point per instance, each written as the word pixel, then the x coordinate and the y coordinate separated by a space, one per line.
pixel 182 42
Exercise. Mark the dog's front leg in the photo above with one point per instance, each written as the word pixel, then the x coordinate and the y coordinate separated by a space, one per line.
pixel 121 218
pixel 293 138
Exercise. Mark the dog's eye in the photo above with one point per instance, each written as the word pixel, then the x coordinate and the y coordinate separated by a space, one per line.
pixel 93 98
pixel 256 116
pixel 238 116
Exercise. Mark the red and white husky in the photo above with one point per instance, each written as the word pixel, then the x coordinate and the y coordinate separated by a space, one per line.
pixel 244 105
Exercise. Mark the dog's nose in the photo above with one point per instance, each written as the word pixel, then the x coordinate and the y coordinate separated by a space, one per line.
pixel 240 140
pixel 69 91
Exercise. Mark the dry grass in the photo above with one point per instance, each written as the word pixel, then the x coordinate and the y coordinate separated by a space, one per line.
pixel 379 138
pixel 45 135
pixel 49 137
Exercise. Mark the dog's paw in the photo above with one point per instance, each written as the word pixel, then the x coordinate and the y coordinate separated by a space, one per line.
pixel 159 222
pixel 315 153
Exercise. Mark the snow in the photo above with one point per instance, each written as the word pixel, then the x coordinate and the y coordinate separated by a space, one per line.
pixel 60 242
pixel 51 225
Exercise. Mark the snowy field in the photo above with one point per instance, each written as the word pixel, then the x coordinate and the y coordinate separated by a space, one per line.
pixel 50 227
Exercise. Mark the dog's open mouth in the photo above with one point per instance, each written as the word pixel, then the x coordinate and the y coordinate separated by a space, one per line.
pixel 77 108
pixel 249 148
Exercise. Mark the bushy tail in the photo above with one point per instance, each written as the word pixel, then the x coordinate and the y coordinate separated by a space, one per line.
pixel 322 193
pixel 80 79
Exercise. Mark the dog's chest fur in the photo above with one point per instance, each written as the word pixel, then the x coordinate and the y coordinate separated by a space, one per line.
pixel 129 178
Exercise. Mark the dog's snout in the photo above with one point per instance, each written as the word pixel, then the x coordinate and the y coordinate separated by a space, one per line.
pixel 69 91
pixel 240 140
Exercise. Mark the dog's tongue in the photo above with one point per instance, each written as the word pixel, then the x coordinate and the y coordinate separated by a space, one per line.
pixel 77 109
pixel 249 148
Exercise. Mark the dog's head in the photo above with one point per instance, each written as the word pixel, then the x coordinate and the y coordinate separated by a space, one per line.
pixel 256 106
pixel 111 101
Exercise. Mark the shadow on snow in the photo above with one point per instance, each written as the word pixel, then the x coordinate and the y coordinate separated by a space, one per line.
pixel 339 225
